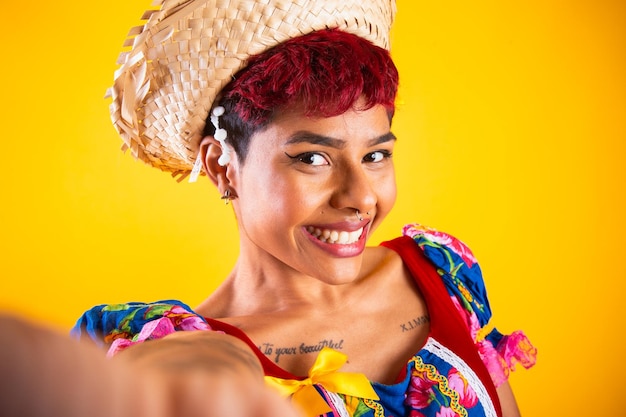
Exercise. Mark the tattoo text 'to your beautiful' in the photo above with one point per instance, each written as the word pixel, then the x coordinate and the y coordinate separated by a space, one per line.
pixel 269 349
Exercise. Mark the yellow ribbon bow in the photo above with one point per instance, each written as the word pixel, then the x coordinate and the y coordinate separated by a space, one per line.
pixel 324 373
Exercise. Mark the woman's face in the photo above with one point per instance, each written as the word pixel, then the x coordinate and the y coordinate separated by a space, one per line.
pixel 303 181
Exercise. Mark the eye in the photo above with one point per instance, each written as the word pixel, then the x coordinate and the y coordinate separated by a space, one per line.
pixel 309 158
pixel 377 156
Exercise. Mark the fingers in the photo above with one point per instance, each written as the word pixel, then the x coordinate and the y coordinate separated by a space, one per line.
pixel 44 372
pixel 202 374
pixel 273 405
pixel 198 394
pixel 51 374
pixel 212 352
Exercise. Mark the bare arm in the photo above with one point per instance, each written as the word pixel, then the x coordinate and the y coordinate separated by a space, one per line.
pixel 202 371
pixel 507 400
pixel 46 373
pixel 184 374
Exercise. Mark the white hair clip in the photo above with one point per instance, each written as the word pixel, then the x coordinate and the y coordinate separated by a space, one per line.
pixel 220 135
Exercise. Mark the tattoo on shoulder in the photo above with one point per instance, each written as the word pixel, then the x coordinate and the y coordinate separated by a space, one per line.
pixel 270 350
pixel 414 323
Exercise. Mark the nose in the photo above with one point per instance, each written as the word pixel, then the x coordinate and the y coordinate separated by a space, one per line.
pixel 354 190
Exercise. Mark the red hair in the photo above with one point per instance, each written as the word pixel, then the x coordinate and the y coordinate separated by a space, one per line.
pixel 325 71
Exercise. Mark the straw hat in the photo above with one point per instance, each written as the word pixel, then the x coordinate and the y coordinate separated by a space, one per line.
pixel 188 50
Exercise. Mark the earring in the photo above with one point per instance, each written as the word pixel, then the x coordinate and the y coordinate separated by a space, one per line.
pixel 227 196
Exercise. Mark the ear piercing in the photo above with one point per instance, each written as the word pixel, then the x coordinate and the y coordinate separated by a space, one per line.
pixel 227 196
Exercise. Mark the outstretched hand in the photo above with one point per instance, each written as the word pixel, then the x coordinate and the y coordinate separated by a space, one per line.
pixel 188 374
pixel 204 373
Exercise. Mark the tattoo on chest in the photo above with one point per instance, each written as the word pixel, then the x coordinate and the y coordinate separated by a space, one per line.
pixel 276 352
pixel 414 323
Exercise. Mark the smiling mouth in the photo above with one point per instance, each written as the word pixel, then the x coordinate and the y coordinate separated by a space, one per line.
pixel 339 237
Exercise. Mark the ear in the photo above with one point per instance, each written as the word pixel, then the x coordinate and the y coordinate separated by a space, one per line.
pixel 210 151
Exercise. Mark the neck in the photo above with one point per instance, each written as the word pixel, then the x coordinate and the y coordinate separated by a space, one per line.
pixel 266 286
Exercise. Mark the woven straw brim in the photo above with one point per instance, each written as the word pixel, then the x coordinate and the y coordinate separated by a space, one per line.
pixel 187 51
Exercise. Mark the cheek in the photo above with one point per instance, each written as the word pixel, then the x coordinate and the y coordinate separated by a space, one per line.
pixel 387 191
pixel 267 200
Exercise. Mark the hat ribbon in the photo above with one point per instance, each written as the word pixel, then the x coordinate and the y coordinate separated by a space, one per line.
pixel 324 372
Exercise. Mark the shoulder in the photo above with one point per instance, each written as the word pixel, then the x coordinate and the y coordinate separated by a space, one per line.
pixel 121 325
pixel 456 264
pixel 463 279
pixel 439 245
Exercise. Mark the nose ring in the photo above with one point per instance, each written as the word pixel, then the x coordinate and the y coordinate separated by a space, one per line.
pixel 358 215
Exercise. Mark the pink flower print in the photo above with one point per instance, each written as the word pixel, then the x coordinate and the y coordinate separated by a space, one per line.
pixel 446 412
pixel 184 320
pixel 454 244
pixel 154 329
pixel 467 396
pixel 173 320
pixel 415 413
pixel 420 393
pixel 443 239
pixel 516 348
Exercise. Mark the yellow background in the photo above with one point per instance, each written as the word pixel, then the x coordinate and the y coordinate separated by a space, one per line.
pixel 512 134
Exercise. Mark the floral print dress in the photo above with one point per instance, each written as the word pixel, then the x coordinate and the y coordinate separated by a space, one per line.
pixel 455 373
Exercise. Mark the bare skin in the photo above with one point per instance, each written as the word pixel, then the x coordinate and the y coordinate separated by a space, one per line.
pixel 370 312
pixel 289 291
pixel 45 373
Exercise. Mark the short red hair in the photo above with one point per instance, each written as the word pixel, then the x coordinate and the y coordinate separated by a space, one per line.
pixel 325 71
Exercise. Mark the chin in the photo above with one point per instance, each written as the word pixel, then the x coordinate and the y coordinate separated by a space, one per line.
pixel 339 271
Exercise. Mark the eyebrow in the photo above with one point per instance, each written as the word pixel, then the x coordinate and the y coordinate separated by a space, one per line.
pixel 315 139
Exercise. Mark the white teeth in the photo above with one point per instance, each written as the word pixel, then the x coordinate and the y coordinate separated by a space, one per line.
pixel 334 236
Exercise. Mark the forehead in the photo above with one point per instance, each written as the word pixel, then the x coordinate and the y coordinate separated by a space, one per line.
pixel 292 127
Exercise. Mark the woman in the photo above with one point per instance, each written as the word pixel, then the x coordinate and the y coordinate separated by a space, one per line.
pixel 295 132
